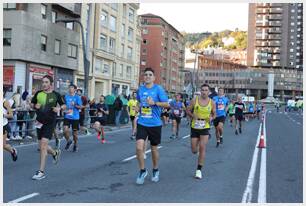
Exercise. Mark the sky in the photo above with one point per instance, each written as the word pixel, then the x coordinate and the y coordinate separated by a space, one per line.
pixel 200 17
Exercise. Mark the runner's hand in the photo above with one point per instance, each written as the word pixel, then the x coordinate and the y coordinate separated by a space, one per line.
pixel 150 101
pixel 37 106
pixel 56 109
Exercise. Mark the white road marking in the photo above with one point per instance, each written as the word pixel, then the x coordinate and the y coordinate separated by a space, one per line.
pixel 247 195
pixel 80 137
pixel 24 198
pixel 134 156
pixel 186 136
pixel 262 193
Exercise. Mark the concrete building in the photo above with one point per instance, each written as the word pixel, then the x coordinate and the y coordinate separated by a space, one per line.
pixel 114 47
pixel 34 45
pixel 162 49
pixel 275 35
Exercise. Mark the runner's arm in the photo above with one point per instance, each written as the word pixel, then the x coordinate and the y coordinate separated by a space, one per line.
pixel 213 111
pixel 190 108
pixel 9 114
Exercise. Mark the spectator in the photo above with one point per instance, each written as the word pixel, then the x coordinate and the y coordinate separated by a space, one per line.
pixel 118 109
pixel 26 107
pixel 92 111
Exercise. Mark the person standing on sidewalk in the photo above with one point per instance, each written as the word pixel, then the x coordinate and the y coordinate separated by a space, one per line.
pixel 45 102
pixel 151 98
pixel 202 110
pixel 132 104
pixel 72 117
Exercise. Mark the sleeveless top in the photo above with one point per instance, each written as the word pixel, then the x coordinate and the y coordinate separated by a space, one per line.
pixel 203 114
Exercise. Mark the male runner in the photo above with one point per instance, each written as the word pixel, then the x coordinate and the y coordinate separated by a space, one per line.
pixel 45 102
pixel 72 117
pixel 177 107
pixel 239 108
pixel 151 98
pixel 201 110
pixel 221 109
pixel 132 104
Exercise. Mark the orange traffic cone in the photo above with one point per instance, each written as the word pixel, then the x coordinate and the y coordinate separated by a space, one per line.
pixel 261 142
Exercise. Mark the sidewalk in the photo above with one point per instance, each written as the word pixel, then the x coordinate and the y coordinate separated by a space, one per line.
pixel 107 128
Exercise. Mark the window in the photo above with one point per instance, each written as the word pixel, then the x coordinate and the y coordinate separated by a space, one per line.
pixel 130 34
pixel 114 69
pixel 145 31
pixel 131 15
pixel 106 68
pixel 292 30
pixel 7 37
pixel 99 65
pixel 129 53
pixel 43 11
pixel 114 6
pixel 103 42
pixel 144 51
pixel 112 23
pixel 43 42
pixel 121 70
pixel 128 71
pixel 54 16
pixel 146 41
pixel 292 23
pixel 69 25
pixel 112 45
pixel 72 50
pixel 122 50
pixel 103 20
pixel 122 31
pixel 292 10
pixel 124 10
pixel 57 46
pixel 7 6
pixel 143 62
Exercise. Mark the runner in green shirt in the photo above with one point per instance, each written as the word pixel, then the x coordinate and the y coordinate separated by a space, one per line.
pixel 231 112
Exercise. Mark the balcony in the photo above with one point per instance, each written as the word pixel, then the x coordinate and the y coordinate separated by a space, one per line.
pixel 276 64
pixel 276 57
pixel 276 10
pixel 275 30
pixel 276 5
pixel 276 36
pixel 274 23
pixel 275 43
pixel 275 17
pixel 262 23
pixel 263 5
pixel 262 11
pixel 260 43
pixel 276 50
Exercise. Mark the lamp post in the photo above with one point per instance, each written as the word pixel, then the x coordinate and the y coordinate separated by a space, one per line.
pixel 85 60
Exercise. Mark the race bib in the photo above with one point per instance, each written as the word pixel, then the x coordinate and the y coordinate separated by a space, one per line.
pixel 146 112
pixel 70 112
pixel 220 106
pixel 38 125
pixel 176 112
pixel 199 124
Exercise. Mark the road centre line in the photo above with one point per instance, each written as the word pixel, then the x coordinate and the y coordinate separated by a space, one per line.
pixel 262 192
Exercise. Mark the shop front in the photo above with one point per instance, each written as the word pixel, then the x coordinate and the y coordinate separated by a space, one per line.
pixel 8 77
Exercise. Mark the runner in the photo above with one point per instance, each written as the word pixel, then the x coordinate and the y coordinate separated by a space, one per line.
pixel 45 102
pixel 251 110
pixel 221 109
pixel 177 107
pixel 72 117
pixel 201 110
pixel 151 98
pixel 132 104
pixel 231 112
pixel 165 116
pixel 101 118
pixel 7 114
pixel 239 108
pixel 258 109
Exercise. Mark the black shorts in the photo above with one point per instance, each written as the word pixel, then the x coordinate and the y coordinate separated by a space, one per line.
pixel 231 115
pixel 46 131
pixel 72 122
pixel 176 118
pixel 82 118
pixel 239 117
pixel 6 129
pixel 153 134
pixel 258 111
pixel 196 133
pixel 101 120
pixel 165 114
pixel 132 118
pixel 219 119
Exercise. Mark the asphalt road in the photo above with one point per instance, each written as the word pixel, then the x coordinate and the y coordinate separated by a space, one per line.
pixel 98 172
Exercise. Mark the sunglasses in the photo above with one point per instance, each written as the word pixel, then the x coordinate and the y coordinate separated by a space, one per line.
pixel 148 74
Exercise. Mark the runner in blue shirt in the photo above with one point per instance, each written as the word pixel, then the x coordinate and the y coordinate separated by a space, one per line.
pixel 72 116
pixel 177 107
pixel 222 103
pixel 151 98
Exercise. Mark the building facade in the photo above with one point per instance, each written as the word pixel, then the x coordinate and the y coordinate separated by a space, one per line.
pixel 162 49
pixel 35 45
pixel 275 35
pixel 114 47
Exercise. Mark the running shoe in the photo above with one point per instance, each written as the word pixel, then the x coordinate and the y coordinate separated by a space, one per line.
pixel 198 174
pixel 218 143
pixel 133 137
pixel 221 140
pixel 144 156
pixel 75 148
pixel 172 136
pixel 240 130
pixel 155 176
pixel 236 132
pixel 68 144
pixel 56 156
pixel 141 177
pixel 39 175
pixel 14 154
pixel 103 141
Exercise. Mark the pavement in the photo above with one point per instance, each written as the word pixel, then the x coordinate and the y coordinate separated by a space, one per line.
pixel 107 172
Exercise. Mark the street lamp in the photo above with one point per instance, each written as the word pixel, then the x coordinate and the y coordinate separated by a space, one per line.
pixel 85 60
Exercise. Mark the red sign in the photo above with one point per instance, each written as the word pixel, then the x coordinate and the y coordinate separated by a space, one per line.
pixel 8 75
pixel 40 72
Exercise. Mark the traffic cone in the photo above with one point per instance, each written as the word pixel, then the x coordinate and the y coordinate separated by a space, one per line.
pixel 261 142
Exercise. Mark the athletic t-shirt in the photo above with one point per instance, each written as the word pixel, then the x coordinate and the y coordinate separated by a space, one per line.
pixel 149 116
pixel 251 108
pixel 239 107
pixel 221 103
pixel 132 103
pixel 72 112
pixel 176 108
pixel 231 108
pixel 45 114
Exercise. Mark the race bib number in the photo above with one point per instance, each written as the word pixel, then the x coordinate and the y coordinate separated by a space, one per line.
pixel 146 112
pixel 70 112
pixel 38 125
pixel 176 112
pixel 199 124
pixel 220 106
